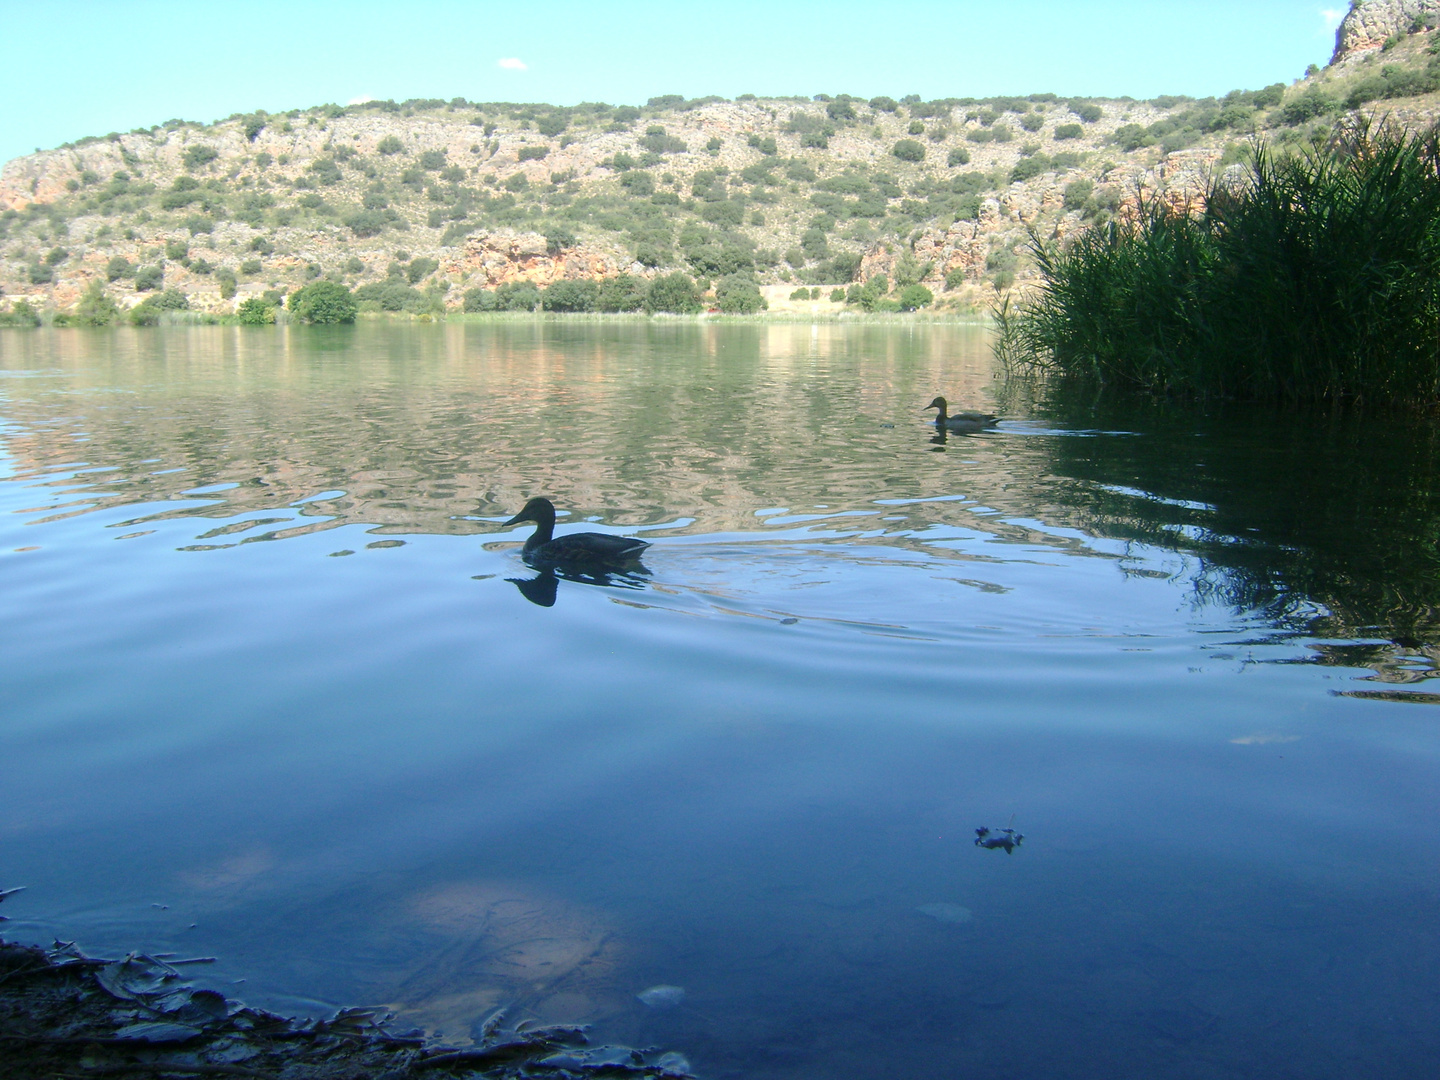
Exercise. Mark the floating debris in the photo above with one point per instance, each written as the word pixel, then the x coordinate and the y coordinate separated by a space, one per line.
pixel 947 913
pixel 662 997
pixel 989 839
pixel 69 1014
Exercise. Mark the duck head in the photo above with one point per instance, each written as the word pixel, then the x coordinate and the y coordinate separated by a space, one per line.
pixel 540 511
pixel 939 403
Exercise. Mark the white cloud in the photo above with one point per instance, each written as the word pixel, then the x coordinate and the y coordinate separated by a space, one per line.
pixel 513 63
pixel 360 100
pixel 1332 17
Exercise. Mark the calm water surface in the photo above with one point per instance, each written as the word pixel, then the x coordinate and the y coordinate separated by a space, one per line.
pixel 277 688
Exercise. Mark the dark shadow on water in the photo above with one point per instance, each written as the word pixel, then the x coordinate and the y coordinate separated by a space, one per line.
pixel 1324 522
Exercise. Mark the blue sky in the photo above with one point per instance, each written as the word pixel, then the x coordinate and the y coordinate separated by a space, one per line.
pixel 81 67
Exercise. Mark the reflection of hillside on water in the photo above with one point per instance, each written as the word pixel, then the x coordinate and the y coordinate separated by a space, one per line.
pixel 1326 526
pixel 412 428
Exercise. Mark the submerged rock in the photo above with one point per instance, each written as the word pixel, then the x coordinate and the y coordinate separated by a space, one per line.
pixel 662 997
pixel 947 913
pixel 989 839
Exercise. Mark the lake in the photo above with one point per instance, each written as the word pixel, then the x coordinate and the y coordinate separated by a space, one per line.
pixel 279 689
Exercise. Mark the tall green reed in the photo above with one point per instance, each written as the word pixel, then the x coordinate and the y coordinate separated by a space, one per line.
pixel 1315 278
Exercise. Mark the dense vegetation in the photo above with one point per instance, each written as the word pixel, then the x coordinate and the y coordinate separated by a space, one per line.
pixel 1318 277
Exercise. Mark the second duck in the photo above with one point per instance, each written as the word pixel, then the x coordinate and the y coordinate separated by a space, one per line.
pixel 961 421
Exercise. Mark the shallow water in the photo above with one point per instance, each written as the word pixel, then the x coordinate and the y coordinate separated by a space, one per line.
pixel 273 695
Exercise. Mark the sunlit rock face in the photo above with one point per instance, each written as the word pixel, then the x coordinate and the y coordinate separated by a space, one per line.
pixel 1369 23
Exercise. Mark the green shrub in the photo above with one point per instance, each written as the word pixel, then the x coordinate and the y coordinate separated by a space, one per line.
pixel 323 302
pixel 517 182
pixel 176 250
pixel 149 278
pixel 366 223
pixel 40 274
pixel 420 268
pixel 954 279
pixel 196 224
pixel 118 267
pixel 737 294
pixel 908 150
pixel 389 145
pixel 21 314
pixel 1077 193
pixel 714 144
pixel 255 312
pixel 658 142
pixel 800 294
pixel 958 156
pixel 250 267
pixel 533 153
pixel 477 300
pixel 571 296
pixel 96 308
pixel 225 279
pixel 675 293
pixel 837 295
pixel 913 297
pixel 725 214
pixel 638 182
pixel 1068 131
pixel 916 128
pixel 1087 112
pixel 1305 106
pixel 621 293
pixel 1029 167
pixel 197 155
pixel 261 245
pixel 1032 122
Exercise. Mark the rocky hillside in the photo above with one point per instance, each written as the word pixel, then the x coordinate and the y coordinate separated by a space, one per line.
pixel 420 204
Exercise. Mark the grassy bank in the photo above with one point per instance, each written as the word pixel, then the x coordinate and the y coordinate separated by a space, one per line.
pixel 1316 278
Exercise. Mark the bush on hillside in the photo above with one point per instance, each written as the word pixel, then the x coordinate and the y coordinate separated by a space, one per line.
pixel 908 150
pixel 389 145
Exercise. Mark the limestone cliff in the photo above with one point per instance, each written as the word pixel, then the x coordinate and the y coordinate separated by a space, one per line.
pixel 1370 23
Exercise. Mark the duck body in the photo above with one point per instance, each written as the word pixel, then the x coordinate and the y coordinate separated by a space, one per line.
pixel 961 421
pixel 573 550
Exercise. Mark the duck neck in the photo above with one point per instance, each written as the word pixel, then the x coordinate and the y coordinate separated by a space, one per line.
pixel 544 531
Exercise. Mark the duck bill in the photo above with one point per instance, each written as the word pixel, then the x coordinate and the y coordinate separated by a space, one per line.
pixel 518 518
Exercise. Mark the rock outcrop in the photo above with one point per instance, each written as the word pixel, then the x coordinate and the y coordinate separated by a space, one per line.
pixel 1370 23
pixel 504 256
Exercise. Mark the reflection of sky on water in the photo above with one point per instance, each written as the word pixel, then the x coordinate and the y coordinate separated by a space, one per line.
pixel 754 774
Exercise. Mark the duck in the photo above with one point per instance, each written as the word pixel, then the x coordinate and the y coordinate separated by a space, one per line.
pixel 961 421
pixel 575 550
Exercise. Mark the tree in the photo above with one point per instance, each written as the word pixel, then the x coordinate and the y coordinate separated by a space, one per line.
pixel 675 293
pixel 255 312
pixel 149 278
pixel 95 307
pixel 737 294
pixel 225 280
pixel 389 145
pixel 1068 131
pixel 621 293
pixel 571 296
pixel 323 302
pixel 908 150
pixel 914 296
pixel 420 268
pixel 117 268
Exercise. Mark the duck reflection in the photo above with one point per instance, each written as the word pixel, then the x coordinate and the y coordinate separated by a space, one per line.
pixel 543 588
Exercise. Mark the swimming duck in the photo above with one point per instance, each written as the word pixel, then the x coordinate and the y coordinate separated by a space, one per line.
pixel 961 421
pixel 574 549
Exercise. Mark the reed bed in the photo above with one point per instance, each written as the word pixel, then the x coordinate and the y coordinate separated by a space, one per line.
pixel 1315 278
